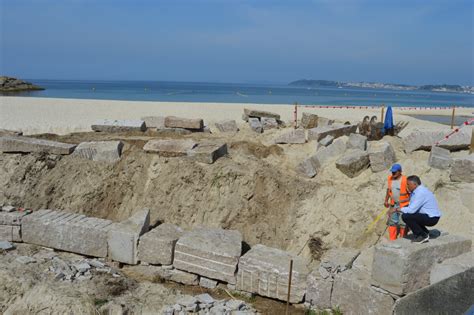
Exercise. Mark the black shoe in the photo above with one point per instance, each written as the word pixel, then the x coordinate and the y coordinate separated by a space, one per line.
pixel 421 239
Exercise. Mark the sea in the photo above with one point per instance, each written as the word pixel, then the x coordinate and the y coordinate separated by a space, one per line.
pixel 165 91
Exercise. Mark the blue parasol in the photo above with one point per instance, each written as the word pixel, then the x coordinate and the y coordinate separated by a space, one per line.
pixel 388 123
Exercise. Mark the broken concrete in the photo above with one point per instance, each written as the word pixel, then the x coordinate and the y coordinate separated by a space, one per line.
pixel 451 267
pixel 104 151
pixel 157 246
pixel 251 113
pixel 401 267
pixel 170 148
pixel 209 252
pixel 353 294
pixel 353 162
pixel 297 136
pixel 255 125
pixel 157 122
pixel 440 158
pixel 462 169
pixel 227 126
pixel 29 145
pixel 123 237
pixel 381 156
pixel 269 123
pixel 207 283
pixel 336 131
pixel 416 139
pixel 309 121
pixel 67 231
pixel 186 123
pixel 208 152
pixel 453 295
pixel 110 125
pixel 265 271
pixel 357 141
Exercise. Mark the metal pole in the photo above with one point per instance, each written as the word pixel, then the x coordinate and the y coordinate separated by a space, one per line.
pixel 381 116
pixel 296 115
pixel 471 148
pixel 452 117
pixel 289 287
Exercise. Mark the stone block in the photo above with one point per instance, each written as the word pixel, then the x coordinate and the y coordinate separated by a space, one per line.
pixel 381 156
pixel 307 168
pixel 104 151
pixel 297 136
pixel 401 267
pixel 208 152
pixel 207 283
pixel 353 294
pixel 326 140
pixel 265 271
pixel 111 125
pixel 259 114
pixel 157 122
pixel 336 131
pixel 172 132
pixel 451 267
pixel 227 126
pixel 269 123
pixel 29 145
pixel 186 123
pixel 417 139
pixel 309 121
pixel 313 164
pixel 318 290
pixel 462 169
pixel 67 231
pixel 453 295
pixel 157 246
pixel 170 148
pixel 6 132
pixel 209 252
pixel 123 237
pixel 440 158
pixel 353 162
pixel 11 218
pixel 339 259
pixel 357 141
pixel 256 125
pixel 323 121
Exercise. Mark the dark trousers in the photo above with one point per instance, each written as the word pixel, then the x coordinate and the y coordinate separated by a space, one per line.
pixel 417 222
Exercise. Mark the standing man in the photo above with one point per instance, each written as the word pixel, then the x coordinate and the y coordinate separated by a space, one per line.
pixel 397 196
pixel 422 211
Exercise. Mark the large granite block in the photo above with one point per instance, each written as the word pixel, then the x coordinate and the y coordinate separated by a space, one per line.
pixel 312 165
pixel 440 158
pixel 265 271
pixel 454 295
pixel 255 125
pixel 10 233
pixel 123 237
pixel 110 125
pixel 157 246
pixel 28 145
pixel 227 126
pixel 381 156
pixel 318 290
pixel 186 123
pixel 269 123
pixel 353 294
pixel 67 231
pixel 416 139
pixel 170 148
pixel 309 121
pixel 252 113
pixel 208 152
pixel 357 141
pixel 11 218
pixel 157 122
pixel 297 136
pixel 353 162
pixel 401 267
pixel 105 151
pixel 462 169
pixel 451 267
pixel 336 131
pixel 209 252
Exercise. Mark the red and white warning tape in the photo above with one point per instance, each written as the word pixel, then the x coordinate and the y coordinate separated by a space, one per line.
pixel 467 122
pixel 379 106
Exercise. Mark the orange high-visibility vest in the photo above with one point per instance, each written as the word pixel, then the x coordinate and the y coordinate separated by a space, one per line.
pixel 404 194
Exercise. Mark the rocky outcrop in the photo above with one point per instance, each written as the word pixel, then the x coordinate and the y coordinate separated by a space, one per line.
pixel 9 84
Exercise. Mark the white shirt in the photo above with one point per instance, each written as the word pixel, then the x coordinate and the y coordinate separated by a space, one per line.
pixel 422 201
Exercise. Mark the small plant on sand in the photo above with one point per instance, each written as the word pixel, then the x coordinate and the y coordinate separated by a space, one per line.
pixel 99 302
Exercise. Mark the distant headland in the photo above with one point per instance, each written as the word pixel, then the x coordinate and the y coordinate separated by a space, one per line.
pixel 9 84
pixel 389 86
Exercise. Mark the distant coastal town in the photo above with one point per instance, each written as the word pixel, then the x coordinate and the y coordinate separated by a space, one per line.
pixel 388 86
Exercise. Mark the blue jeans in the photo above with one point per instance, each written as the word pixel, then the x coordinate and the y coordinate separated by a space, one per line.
pixel 396 220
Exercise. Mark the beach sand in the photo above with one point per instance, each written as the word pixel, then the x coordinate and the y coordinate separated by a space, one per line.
pixel 62 116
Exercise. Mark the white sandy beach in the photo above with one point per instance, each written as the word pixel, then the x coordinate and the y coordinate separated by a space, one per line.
pixel 62 116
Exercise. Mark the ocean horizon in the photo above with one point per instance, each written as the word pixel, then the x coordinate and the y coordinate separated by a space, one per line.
pixel 209 92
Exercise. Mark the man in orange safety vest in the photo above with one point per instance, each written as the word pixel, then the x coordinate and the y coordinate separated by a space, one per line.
pixel 397 197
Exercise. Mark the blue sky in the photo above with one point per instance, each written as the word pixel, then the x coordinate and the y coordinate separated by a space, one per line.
pixel 414 42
